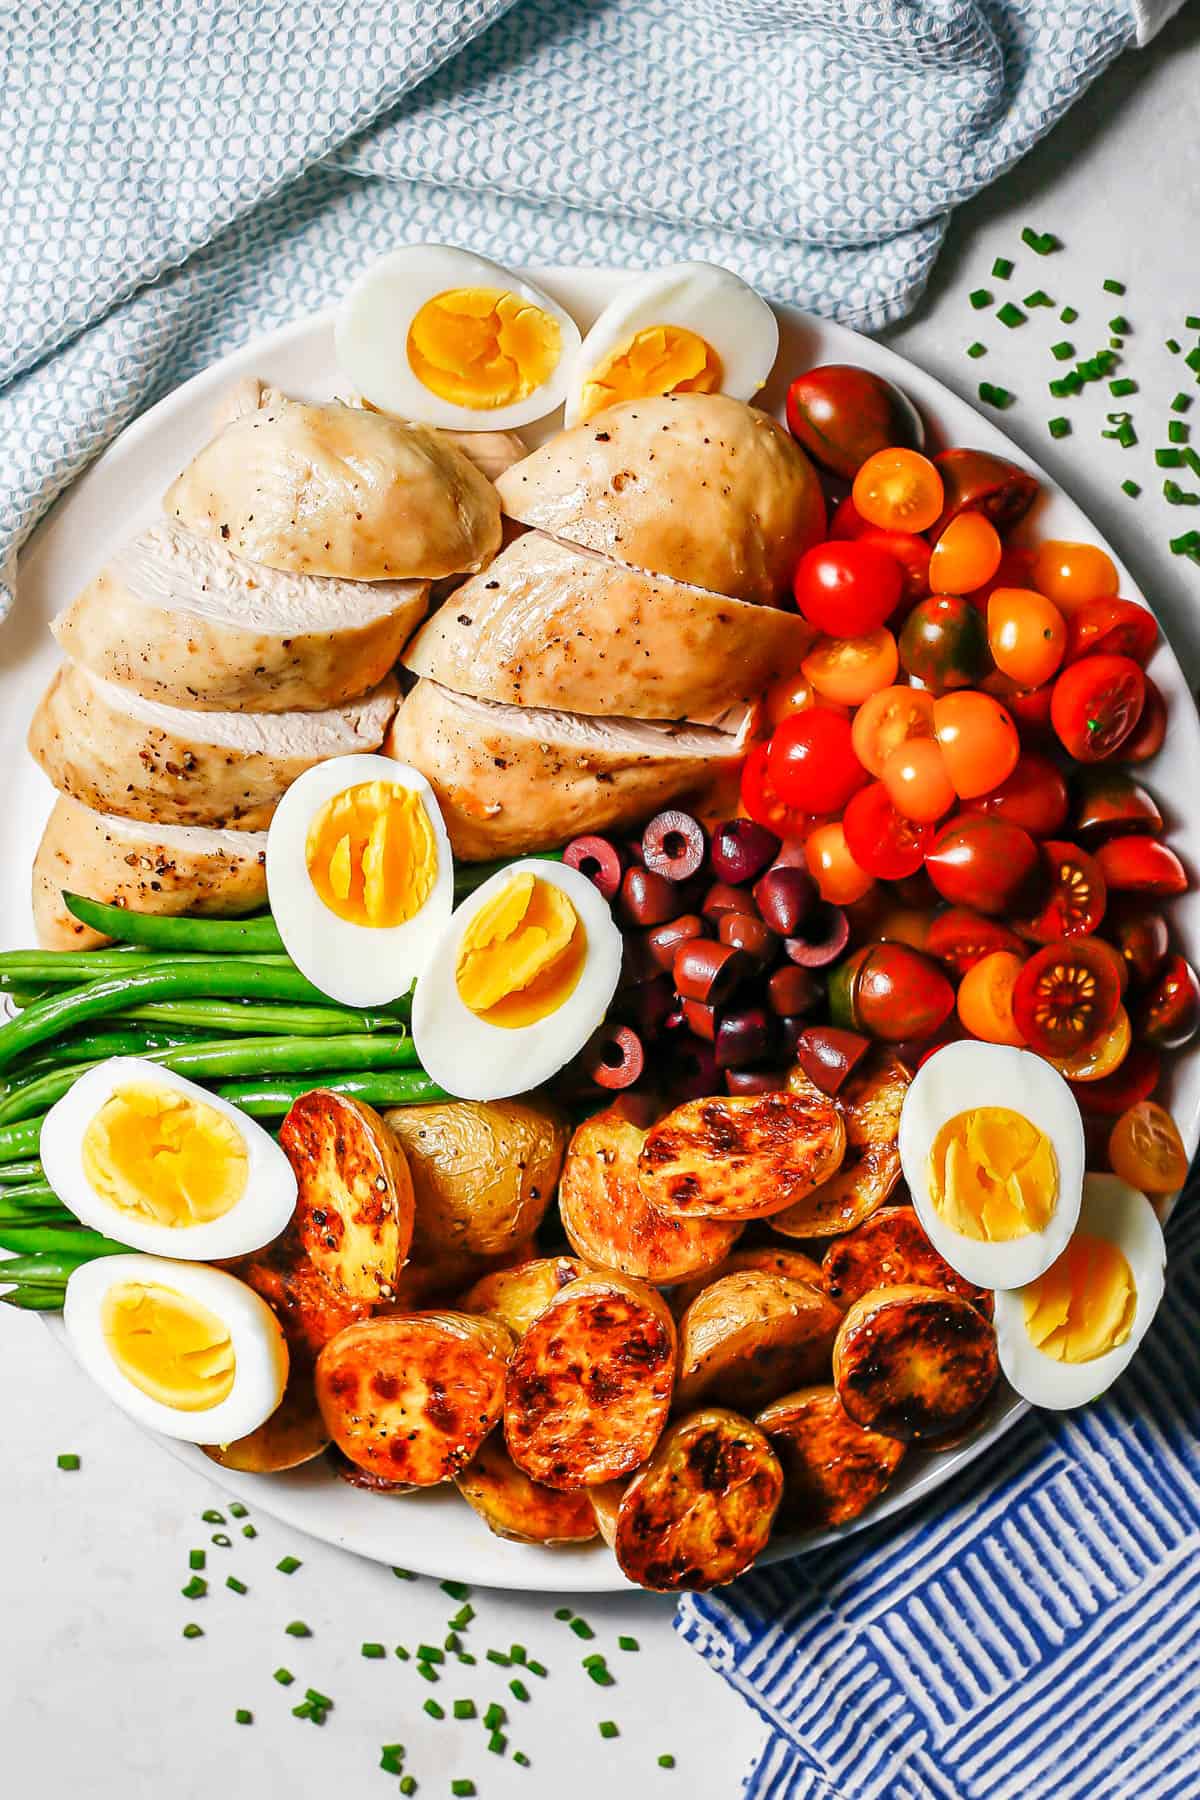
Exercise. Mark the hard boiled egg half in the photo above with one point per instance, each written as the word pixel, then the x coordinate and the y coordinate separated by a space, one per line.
pixel 187 1350
pixel 991 1144
pixel 1066 1337
pixel 156 1162
pixel 448 338
pixel 692 328
pixel 360 876
pixel 519 982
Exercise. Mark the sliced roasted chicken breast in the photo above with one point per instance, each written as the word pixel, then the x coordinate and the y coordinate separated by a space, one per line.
pixel 511 779
pixel 118 753
pixel 697 486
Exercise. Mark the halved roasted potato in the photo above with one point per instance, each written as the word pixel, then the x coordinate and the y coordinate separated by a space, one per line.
pixel 832 1468
pixel 606 1504
pixel 483 1172
pixel 768 1259
pixel 914 1362
pixel 306 1303
pixel 354 1206
pixel 752 1336
pixel 370 1483
pixel 590 1383
pixel 701 1510
pixel 608 1216
pixel 741 1156
pixel 889 1250
pixel 870 1103
pixel 517 1295
pixel 412 1397
pixel 513 1506
pixel 294 1433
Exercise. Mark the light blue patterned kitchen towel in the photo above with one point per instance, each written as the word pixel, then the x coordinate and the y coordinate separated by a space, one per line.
pixel 180 176
pixel 1028 1633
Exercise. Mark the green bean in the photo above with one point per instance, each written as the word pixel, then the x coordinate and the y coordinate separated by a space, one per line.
pixel 17 1141
pixel 162 931
pixel 469 876
pixel 270 1099
pixel 267 1020
pixel 29 1193
pixel 43 1268
pixel 23 968
pixel 16 1173
pixel 95 1046
pixel 74 1239
pixel 46 1299
pixel 34 1215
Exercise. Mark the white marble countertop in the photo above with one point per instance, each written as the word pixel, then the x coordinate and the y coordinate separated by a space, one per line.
pixel 100 1693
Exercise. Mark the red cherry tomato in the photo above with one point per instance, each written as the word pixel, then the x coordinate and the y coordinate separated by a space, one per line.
pixel 988 484
pixel 811 762
pixel 1015 571
pixel 1096 705
pixel 1168 1012
pixel 943 643
pixel 1076 895
pixel 1034 796
pixel 1135 1080
pixel 1110 803
pixel 986 864
pixel 843 414
pixel 880 839
pixel 1030 707
pixel 910 551
pixel 1111 628
pixel 1141 865
pixel 847 521
pixel 1146 739
pixel 760 802
pixel 1139 936
pixel 1065 998
pixel 790 694
pixel 960 938
pixel 847 589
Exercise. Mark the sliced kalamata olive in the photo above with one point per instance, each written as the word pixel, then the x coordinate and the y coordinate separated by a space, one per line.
pixel 634 854
pixel 743 1037
pixel 695 1074
pixel 822 937
pixel 827 1054
pixel 790 1032
pixel 785 897
pixel 747 933
pixel 701 1020
pixel 741 850
pixel 647 898
pixel 637 965
pixel 792 990
pixel 722 898
pixel 708 972
pixel 650 1006
pixel 602 861
pixel 615 1058
pixel 674 845
pixel 755 1081
pixel 664 940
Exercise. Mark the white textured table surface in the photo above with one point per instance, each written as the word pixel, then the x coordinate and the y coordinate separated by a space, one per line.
pixel 99 1693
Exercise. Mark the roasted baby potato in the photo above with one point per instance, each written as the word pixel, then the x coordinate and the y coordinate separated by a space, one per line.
pixel 589 1385
pixel 741 1156
pixel 793 1265
pixel 294 1433
pixel 701 1510
pixel 307 1305
pixel 870 1103
pixel 752 1336
pixel 514 1507
pixel 517 1295
pixel 483 1172
pixel 606 1504
pixel 354 1208
pixel 888 1250
pixel 411 1398
pixel 914 1362
pixel 353 1476
pixel 608 1217
pixel 832 1468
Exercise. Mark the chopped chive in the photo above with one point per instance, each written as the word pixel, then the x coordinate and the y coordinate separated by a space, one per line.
pixel 433 1709
pixel 1181 403
pixel 1039 297
pixel 287 1565
pixel 408 1784
pixel 582 1629
pixel 1192 359
pixel 284 1677
pixel 248 1531
pixel 976 349
pixel 390 1761
pixel 1040 242
pixel 237 1509
pixel 979 298
pixel 430 1653
pixel 236 1586
pixel 1010 315
pixel 1174 346
pixel 1002 268
pixel 590 1662
pixel 601 1677
pixel 468 1661
pixel 995 396
pixel 452 1641
pixel 519 1756
pixel 1119 389
pixel 221 1539
pixel 1120 325
pixel 243 1716
pixel 666 1760
pixel 427 1672
pixel 518 1653
pixel 401 1652
pixel 462 1618
pixel 518 1690
pixel 196 1559
pixel 1068 315
pixel 497 1743
pixel 391 1749
pixel 1169 458
pixel 1187 545
pixel 457 1590
pixel 67 1460
pixel 318 1698
pixel 628 1643
pixel 608 1728
pixel 1059 428
pixel 1062 351
pixel 1193 322
pixel 464 1709
pixel 1116 343
pixel 1114 287
pixel 373 1652
pixel 462 1788
pixel 196 1588
pixel 1132 488
pixel 211 1516
pixel 536 1668
pixel 403 1574
pixel 498 1657
pixel 297 1628
pixel 193 1631
pixel 494 1717
pixel 1192 460
pixel 1177 496
pixel 1177 431
pixel 563 1612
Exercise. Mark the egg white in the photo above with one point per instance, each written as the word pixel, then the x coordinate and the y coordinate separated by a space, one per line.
pixel 697 296
pixel 258 1217
pixel 957 1079
pixel 476 1060
pixel 259 1348
pixel 372 325
pixel 1120 1214
pixel 357 965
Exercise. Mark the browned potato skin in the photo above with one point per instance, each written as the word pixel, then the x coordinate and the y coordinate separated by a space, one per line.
pixel 767 1259
pixel 307 1305
pixel 914 1362
pixel 610 1221
pixel 870 1102
pixel 412 1397
pixel 294 1433
pixel 701 1510
pixel 355 1477
pixel 517 1296
pixel 888 1250
pixel 354 1206
pixel 514 1507
pixel 832 1468
pixel 606 1505
pixel 742 1156
pixel 752 1336
pixel 483 1172
pixel 589 1385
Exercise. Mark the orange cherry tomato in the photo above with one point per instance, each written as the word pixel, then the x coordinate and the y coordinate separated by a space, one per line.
pixel 1070 573
pixel 888 718
pixel 832 867
pixel 965 556
pixel 849 670
pixel 978 739
pixel 985 998
pixel 1146 1150
pixel 1103 1057
pixel 904 925
pixel 899 490
pixel 917 782
pixel 790 694
pixel 1027 635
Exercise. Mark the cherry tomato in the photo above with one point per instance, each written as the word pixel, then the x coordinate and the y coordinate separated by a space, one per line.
pixel 881 840
pixel 1096 705
pixel 790 694
pixel 1034 796
pixel 891 992
pixel 842 415
pixel 888 718
pixel 960 938
pixel 910 551
pixel 1070 574
pixel 1168 1013
pixel 1030 707
pixel 838 877
pixel 847 589
pixel 1146 739
pixel 1101 1059
pixel 1146 1150
pixel 985 998
pixel 811 762
pixel 1113 957
pixel 986 864
pixel 1111 1095
pixel 916 780
pixel 985 483
pixel 943 643
pixel 1141 865
pixel 847 521
pixel 760 802
pixel 1139 936
pixel 899 490
pixel 851 669
pixel 1111 628
pixel 904 925
pixel 966 555
pixel 978 741
pixel 1027 635
pixel 1015 570
pixel 1065 999
pixel 1109 803
pixel 1076 895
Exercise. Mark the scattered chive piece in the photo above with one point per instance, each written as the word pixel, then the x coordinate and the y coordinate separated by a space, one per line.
pixel 519 1756
pixel 608 1728
pixel 222 1540
pixel 408 1784
pixel 303 1711
pixel 601 1676
pixel 462 1618
pixel 464 1709
pixel 628 1643
pixel 1040 242
pixel 498 1657
pixel 582 1629
pixel 979 298
pixel 1118 389
pixel 457 1590
pixel 1192 359
pixel 373 1652
pixel 1010 315
pixel 1177 431
pixel 536 1668
pixel 1192 460
pixel 494 1717
pixel 193 1631
pixel 590 1661
pixel 1131 488
pixel 518 1690
pixel 1181 403
pixel 1039 297
pixel 1059 428
pixel 563 1612
pixel 976 349
pixel 1192 322
pixel 1062 352
pixel 248 1531
pixel 995 396
pixel 403 1574
pixel 67 1460
pixel 196 1559
pixel 1068 315
pixel 211 1516
pixel 1174 346
pixel 430 1653
pixel 297 1628
pixel 318 1698
pixel 401 1652
pixel 518 1653
pixel 1169 459
pixel 666 1761
pixel 462 1788
pixel 434 1710
pixel 284 1677
pixel 497 1743
pixel 243 1717
pixel 427 1672
pixel 1116 343
pixel 389 1761
pixel 1070 383
pixel 1187 545
pixel 1002 268
pixel 236 1586
pixel 196 1588
pixel 452 1641
pixel 287 1565
pixel 1177 496
pixel 237 1509
pixel 465 1657
pixel 1120 325
pixel 1114 287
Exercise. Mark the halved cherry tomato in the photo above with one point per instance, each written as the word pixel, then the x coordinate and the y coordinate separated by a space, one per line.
pixel 1168 1013
pixel 966 555
pixel 1109 803
pixel 959 938
pixel 1139 936
pixel 899 490
pixel 1076 896
pixel 1113 957
pixel 1015 570
pixel 887 719
pixel 790 694
pixel 985 998
pixel 846 589
pixel 989 484
pixel 904 925
pixel 1141 865
pixel 943 643
pixel 1027 635
pixel 841 414
pixel 1135 1080
pixel 917 782
pixel 760 802
pixel 978 741
pixel 1102 1058
pixel 1146 739
pixel 847 521
pixel 986 864
pixel 839 878
pixel 910 551
pixel 1034 796
pixel 1065 999
pixel 1111 628
pixel 880 839
pixel 851 669
pixel 1096 705
pixel 1070 574
pixel 1146 1150
pixel 1030 707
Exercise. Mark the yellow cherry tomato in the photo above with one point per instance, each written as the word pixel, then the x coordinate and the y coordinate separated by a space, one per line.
pixel 850 670
pixel 985 998
pixel 1146 1150
pixel 965 556
pixel 1070 573
pixel 899 490
pixel 1027 635
pixel 917 781
pixel 837 875
pixel 888 719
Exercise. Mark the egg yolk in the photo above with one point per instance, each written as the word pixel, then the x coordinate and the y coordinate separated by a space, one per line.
pixel 1084 1305
pixel 164 1156
pixel 522 954
pixel 371 854
pixel 993 1175
pixel 168 1345
pixel 483 347
pixel 662 359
